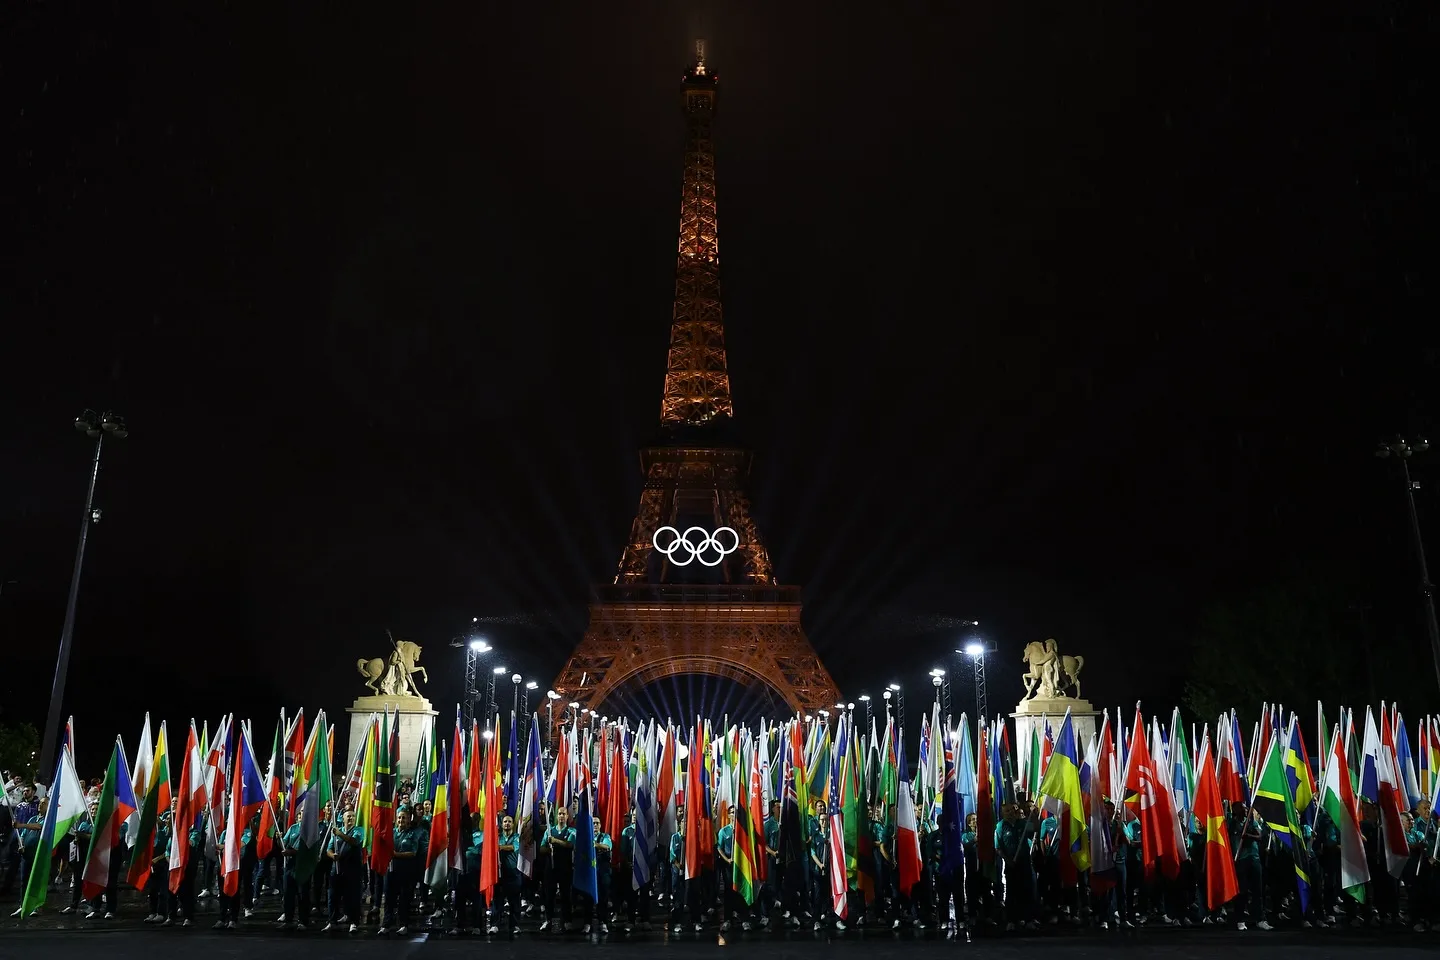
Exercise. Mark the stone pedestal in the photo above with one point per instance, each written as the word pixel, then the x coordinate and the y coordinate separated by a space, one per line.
pixel 416 718
pixel 1034 714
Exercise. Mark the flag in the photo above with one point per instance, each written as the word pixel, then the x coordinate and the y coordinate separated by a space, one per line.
pixel 952 812
pixel 1182 770
pixel 1230 760
pixel 156 802
pixel 907 841
pixel 140 769
pixel 383 815
pixel 1405 764
pixel 1221 885
pixel 531 819
pixel 316 799
pixel 247 798
pixel 1391 799
pixel 437 853
pixel 584 878
pixel 117 803
pixel 64 811
pixel 645 845
pixel 294 755
pixel 365 796
pixel 274 788
pixel 1338 799
pixel 1061 781
pixel 1158 824
pixel 1275 804
pixel 839 885
pixel 743 865
pixel 490 823
pixel 1102 858
pixel 190 806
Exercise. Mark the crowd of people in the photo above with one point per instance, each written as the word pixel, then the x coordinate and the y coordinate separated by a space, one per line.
pixel 1028 887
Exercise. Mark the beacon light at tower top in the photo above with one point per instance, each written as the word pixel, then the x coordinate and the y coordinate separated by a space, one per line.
pixel 974 649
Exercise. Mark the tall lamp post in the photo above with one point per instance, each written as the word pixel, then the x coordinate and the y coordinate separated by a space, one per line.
pixel 976 651
pixel 1402 451
pixel 865 699
pixel 96 427
pixel 475 648
pixel 525 698
pixel 490 702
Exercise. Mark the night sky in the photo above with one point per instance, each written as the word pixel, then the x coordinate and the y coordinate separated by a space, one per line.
pixel 1070 317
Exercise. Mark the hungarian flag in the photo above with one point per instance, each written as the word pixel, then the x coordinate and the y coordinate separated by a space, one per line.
pixel 1338 799
pixel 191 804
pixel 117 802
pixel 1220 884
pixel 156 802
pixel 62 815
pixel 1158 824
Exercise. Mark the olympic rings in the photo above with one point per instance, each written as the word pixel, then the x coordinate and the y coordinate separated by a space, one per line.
pixel 710 542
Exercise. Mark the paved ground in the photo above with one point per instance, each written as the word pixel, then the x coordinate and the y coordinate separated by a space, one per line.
pixel 62 943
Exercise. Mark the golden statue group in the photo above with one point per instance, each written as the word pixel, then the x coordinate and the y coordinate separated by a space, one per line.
pixel 809 822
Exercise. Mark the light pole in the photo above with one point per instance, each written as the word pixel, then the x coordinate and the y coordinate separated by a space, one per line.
pixel 899 704
pixel 550 696
pixel 1403 452
pixel 490 702
pixel 515 700
pixel 976 651
pixel 940 680
pixel 525 698
pixel 95 426
pixel 865 699
pixel 475 648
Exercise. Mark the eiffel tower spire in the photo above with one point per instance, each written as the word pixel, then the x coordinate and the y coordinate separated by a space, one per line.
pixel 697 385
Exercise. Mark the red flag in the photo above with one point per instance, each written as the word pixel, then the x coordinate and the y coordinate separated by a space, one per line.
pixel 697 823
pixel 490 852
pixel 191 797
pixel 294 756
pixel 455 797
pixel 1220 884
pixel 1156 808
pixel 985 802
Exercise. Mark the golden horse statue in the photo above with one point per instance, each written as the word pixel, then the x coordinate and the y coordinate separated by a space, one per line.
pixel 395 676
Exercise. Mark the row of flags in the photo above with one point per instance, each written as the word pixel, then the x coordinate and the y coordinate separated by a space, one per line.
pixel 729 777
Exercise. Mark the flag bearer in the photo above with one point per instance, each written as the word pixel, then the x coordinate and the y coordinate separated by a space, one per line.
pixel 297 895
pixel 604 849
pixel 769 901
pixel 1248 830
pixel 192 870
pixel 1013 837
pixel 162 905
pixel 248 865
pixel 508 890
pixel 76 843
pixel 730 901
pixel 560 839
pixel 679 887
pixel 347 856
pixel 406 864
pixel 466 893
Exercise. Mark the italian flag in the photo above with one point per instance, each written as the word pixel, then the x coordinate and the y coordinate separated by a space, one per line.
pixel 1338 799
pixel 66 809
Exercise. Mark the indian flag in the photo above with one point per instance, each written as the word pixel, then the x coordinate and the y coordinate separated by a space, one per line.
pixel 1338 799
pixel 65 809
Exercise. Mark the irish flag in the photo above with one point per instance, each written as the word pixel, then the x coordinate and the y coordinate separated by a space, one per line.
pixel 66 809
pixel 1338 799
pixel 117 803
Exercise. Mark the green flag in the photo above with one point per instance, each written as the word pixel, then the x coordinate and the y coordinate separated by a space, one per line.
pixel 313 833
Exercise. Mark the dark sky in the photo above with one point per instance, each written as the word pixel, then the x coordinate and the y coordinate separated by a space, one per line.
pixel 1069 317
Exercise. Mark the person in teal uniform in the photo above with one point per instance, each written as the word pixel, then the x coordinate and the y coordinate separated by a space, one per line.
pixel 76 844
pixel 769 901
pixel 978 891
pixel 157 885
pixel 821 903
pixel 1247 831
pixel 297 895
pixel 346 854
pixel 636 902
pixel 560 839
pixel 508 889
pixel 192 873
pixel 932 891
pixel 229 906
pixel 1125 842
pixel 604 849
pixel 882 858
pixel 1014 835
pixel 407 863
pixel 1046 858
pixel 725 871
pixel 680 887
pixel 466 902
pixel 248 864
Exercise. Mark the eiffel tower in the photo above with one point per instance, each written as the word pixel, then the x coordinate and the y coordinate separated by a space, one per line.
pixel 673 611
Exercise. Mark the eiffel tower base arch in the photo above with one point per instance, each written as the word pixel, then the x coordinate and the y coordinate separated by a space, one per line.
pixel 642 633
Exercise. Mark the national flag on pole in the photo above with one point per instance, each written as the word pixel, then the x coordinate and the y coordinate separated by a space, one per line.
pixel 907 841
pixel 490 823
pixel 117 803
pixel 1338 798
pixel 247 798
pixel 1061 781
pixel 437 853
pixel 274 789
pixel 1275 803
pixel 644 846
pixel 64 811
pixel 584 877
pixel 839 884
pixel 743 867
pixel 1158 823
pixel 140 769
pixel 317 797
pixel 294 756
pixel 387 757
pixel 1391 794
pixel 1221 885
pixel 156 802
pixel 191 805
pixel 531 821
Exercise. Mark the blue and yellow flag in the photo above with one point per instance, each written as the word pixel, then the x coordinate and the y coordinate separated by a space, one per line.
pixel 1062 782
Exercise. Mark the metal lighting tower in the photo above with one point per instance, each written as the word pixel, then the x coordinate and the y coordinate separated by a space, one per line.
pixel 525 699
pixel 475 648
pixel 490 702
pixel 976 650
pixel 1403 452
pixel 95 426
pixel 940 680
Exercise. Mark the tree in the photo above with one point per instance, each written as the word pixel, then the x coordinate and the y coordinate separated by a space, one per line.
pixel 19 746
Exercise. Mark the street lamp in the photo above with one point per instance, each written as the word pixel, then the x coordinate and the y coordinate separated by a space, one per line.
pixel 525 698
pixel 1402 451
pixel 474 647
pixel 490 701
pixel 865 699
pixel 96 427
pixel 551 696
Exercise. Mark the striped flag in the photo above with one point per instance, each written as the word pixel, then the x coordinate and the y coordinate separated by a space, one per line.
pixel 117 803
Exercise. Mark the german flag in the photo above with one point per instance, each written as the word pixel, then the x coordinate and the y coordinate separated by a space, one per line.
pixel 744 878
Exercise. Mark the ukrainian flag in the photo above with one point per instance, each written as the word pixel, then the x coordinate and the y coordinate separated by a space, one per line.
pixel 1062 782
